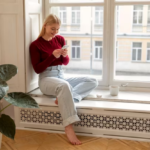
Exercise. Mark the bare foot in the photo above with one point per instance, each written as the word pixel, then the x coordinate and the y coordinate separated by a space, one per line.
pixel 71 135
pixel 56 101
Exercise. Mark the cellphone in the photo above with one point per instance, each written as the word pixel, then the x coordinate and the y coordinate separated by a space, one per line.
pixel 65 46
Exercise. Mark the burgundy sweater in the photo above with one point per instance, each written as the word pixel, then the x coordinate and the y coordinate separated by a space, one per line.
pixel 41 53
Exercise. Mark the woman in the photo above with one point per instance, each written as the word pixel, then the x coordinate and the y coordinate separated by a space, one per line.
pixel 47 59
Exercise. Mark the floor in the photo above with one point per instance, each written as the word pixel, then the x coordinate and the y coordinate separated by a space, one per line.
pixel 33 140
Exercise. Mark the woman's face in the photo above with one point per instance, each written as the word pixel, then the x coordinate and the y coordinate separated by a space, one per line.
pixel 52 30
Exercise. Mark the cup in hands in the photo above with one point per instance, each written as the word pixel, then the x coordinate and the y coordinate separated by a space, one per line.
pixel 114 89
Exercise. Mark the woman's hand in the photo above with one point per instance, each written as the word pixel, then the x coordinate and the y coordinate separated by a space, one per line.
pixel 57 53
pixel 64 52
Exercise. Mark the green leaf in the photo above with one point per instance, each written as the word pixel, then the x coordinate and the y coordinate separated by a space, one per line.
pixel 7 126
pixel 3 89
pixel 7 71
pixel 21 100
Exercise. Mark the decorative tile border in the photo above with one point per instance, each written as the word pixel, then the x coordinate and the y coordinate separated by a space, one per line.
pixel 88 120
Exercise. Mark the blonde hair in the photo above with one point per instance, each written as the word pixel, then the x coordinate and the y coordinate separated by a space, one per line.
pixel 51 19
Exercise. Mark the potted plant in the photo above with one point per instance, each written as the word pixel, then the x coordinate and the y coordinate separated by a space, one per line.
pixel 20 99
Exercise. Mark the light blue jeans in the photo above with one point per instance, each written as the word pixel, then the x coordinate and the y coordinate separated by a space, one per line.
pixel 67 90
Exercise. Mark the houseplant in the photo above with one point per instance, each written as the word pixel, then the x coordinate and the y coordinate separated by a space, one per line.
pixel 20 99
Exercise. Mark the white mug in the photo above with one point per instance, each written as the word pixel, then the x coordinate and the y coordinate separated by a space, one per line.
pixel 114 89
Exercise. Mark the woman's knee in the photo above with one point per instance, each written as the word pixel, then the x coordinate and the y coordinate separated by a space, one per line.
pixel 64 85
pixel 94 82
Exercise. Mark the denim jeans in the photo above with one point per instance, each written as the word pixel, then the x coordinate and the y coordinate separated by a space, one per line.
pixel 67 91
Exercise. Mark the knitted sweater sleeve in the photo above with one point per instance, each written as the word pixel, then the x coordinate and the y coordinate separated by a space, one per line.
pixel 38 65
pixel 65 60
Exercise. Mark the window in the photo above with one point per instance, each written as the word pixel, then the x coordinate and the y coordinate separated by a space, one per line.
pixel 76 15
pixel 136 51
pixel 75 49
pixel 148 51
pixel 98 15
pixel 98 50
pixel 98 19
pixel 94 23
pixel 138 15
pixel 63 15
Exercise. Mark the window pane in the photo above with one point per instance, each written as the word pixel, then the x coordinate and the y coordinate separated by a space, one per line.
pixel 78 52
pixel 96 52
pixel 137 45
pixel 139 54
pixel 148 55
pixel 132 48
pixel 81 39
pixel 101 53
pixel 134 54
pixel 73 52
pixel 140 17
pixel 134 17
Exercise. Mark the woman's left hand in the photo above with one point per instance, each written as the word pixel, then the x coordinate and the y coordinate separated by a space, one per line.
pixel 64 52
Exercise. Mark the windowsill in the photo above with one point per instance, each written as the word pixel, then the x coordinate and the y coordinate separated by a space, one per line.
pixel 123 96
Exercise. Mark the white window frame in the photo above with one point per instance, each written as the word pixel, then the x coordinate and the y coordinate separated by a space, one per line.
pixel 76 18
pixel 62 16
pixel 100 48
pixel 137 19
pixel 76 49
pixel 136 48
pixel 109 39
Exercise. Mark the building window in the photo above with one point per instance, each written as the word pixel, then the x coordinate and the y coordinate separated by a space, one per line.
pixel 75 15
pixel 136 51
pixel 98 50
pixel 138 15
pixel 98 15
pixel 75 50
pixel 148 51
pixel 63 15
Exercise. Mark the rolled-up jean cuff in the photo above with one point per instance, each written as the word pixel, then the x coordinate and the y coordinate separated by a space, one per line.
pixel 71 120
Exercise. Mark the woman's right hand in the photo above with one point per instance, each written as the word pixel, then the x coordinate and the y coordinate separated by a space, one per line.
pixel 57 53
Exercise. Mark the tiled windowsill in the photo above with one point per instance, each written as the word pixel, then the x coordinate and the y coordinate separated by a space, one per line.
pixel 123 96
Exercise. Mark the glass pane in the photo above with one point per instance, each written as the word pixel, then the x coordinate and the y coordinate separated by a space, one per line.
pixel 138 7
pixel 98 43
pixel 78 52
pixel 134 54
pixel 81 37
pixel 133 44
pixel 73 52
pixel 139 54
pixel 140 17
pixel 137 45
pixel 134 17
pixel 96 52
pixel 148 54
pixel 74 1
pixel 101 53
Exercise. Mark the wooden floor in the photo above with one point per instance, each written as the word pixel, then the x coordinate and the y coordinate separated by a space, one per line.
pixel 32 140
